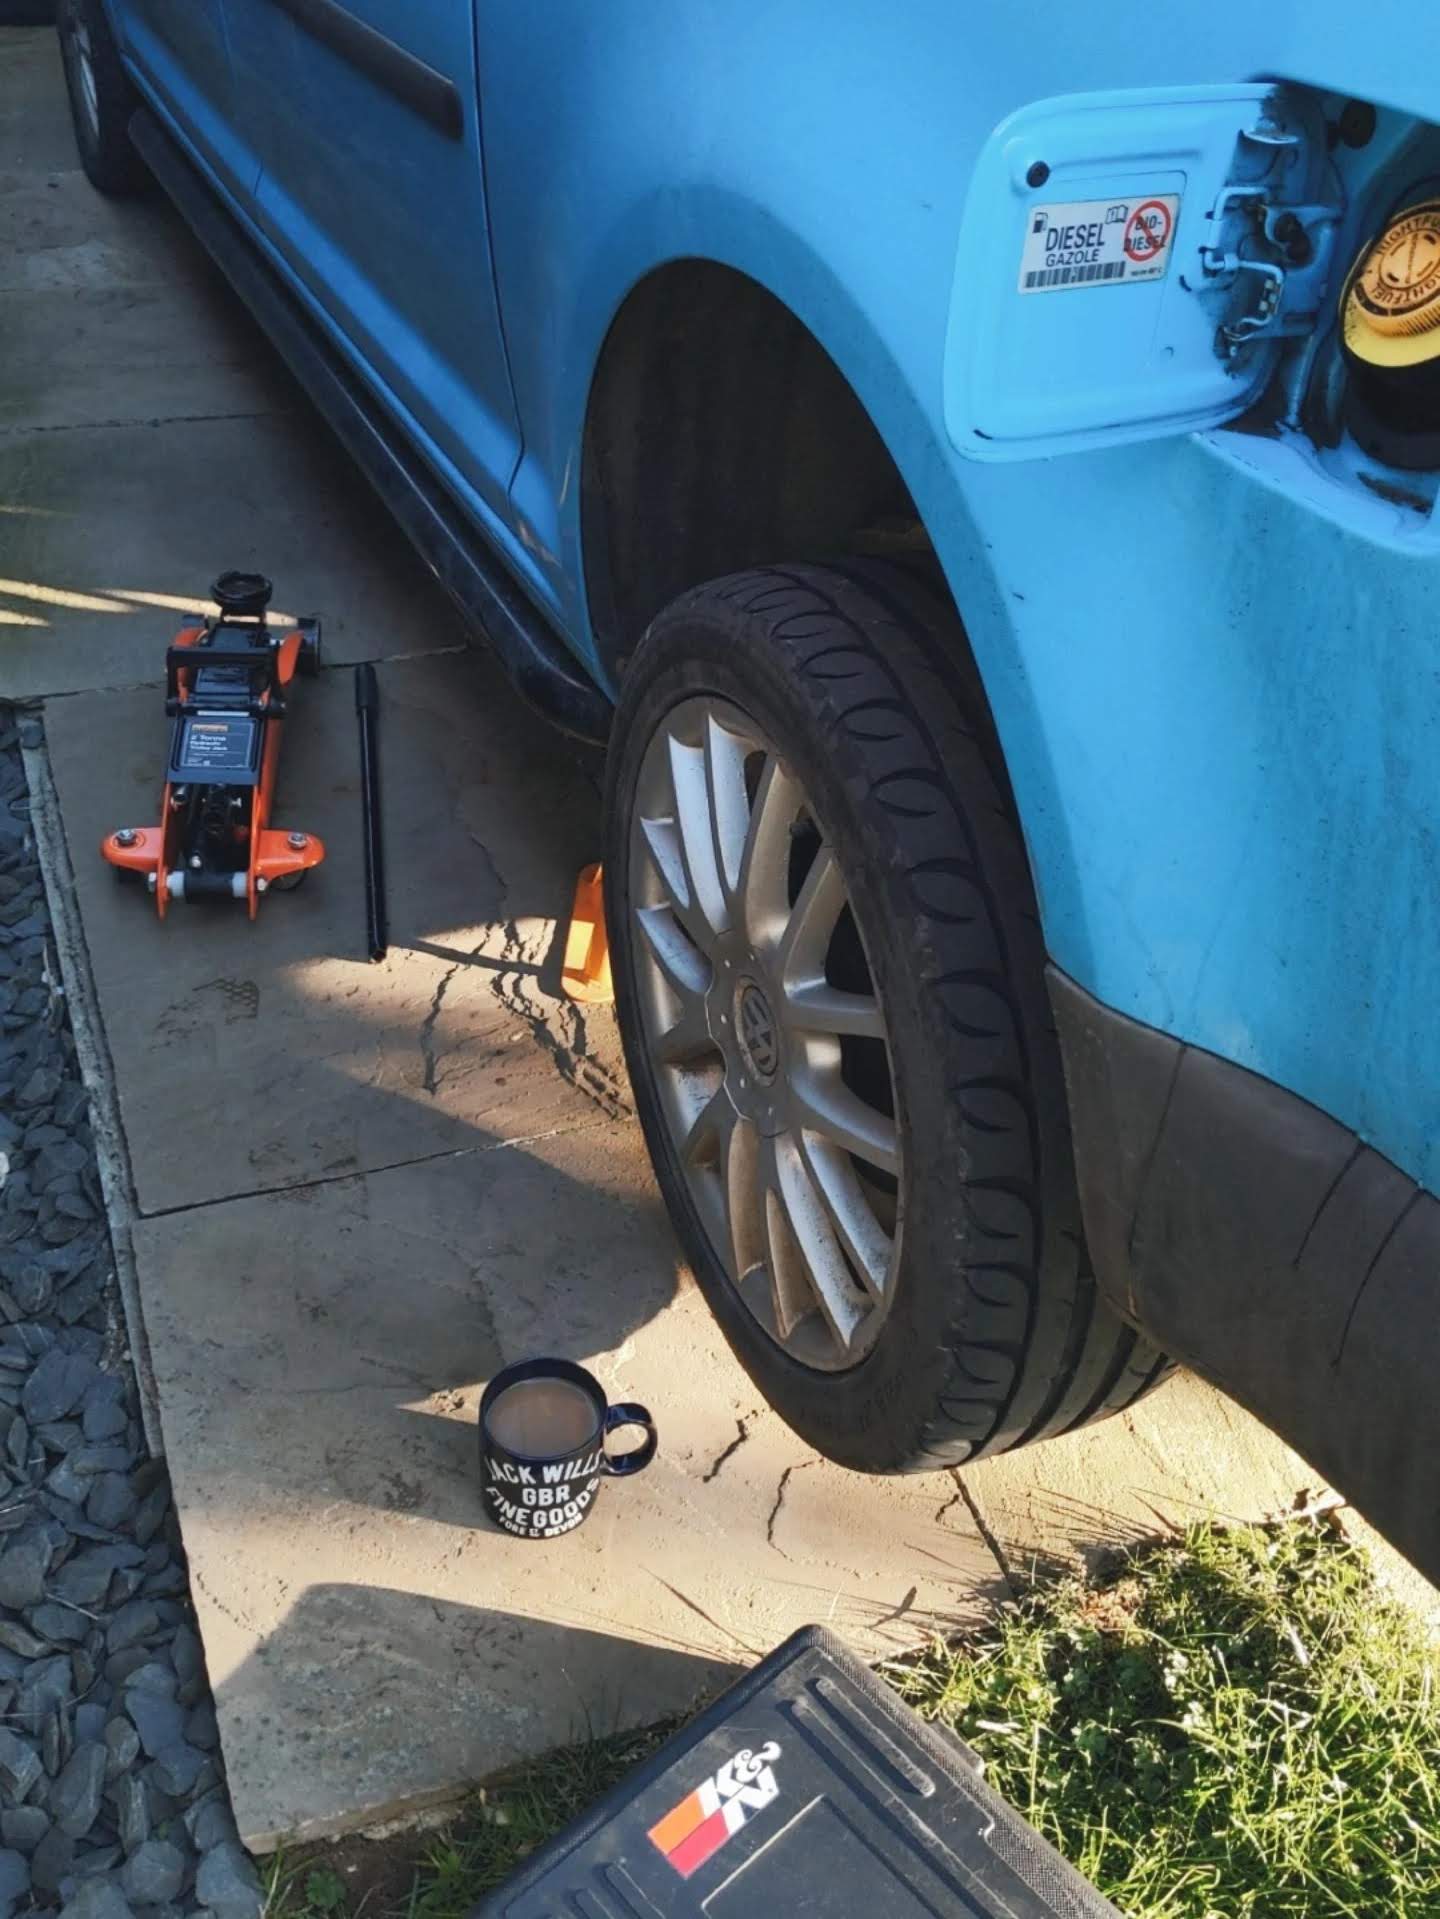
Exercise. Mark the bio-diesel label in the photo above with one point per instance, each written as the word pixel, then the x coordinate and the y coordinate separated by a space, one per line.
pixel 1089 243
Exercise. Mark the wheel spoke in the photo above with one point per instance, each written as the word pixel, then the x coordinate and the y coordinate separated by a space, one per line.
pixel 791 1298
pixel 707 1140
pixel 722 1155
pixel 832 1286
pixel 808 932
pixel 725 754
pixel 822 1102
pixel 817 1007
pixel 696 832
pixel 745 1199
pixel 704 1142
pixel 685 969
pixel 688 1037
pixel 662 842
pixel 865 1241
pixel 765 861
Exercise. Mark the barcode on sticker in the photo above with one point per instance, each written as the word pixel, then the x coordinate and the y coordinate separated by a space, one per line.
pixel 1097 243
pixel 1073 276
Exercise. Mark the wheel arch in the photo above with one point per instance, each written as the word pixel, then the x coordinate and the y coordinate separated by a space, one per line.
pixel 705 375
pixel 701 355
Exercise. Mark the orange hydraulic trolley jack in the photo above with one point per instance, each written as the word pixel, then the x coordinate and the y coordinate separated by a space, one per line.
pixel 226 685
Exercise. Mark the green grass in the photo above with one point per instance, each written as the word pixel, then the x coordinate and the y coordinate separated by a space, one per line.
pixel 516 1818
pixel 1237 1725
pixel 442 1875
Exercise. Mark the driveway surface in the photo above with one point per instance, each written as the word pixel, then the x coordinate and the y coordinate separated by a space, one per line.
pixel 353 1192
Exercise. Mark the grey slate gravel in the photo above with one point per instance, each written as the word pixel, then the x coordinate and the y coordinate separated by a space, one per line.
pixel 154 1873
pixel 52 1861
pixel 20 1765
pixel 159 1721
pixel 23 1827
pixel 177 1769
pixel 22 1572
pixel 57 1385
pixel 14 1880
pixel 122 1742
pixel 98 1899
pixel 75 1796
pixel 132 1811
pixel 112 1801
pixel 227 1882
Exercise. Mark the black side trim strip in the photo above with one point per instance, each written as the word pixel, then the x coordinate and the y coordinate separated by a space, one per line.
pixel 420 87
pixel 472 572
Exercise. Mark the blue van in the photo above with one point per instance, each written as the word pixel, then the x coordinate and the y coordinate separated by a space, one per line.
pixel 976 467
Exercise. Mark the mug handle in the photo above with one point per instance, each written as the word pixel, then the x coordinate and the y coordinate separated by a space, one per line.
pixel 639 1457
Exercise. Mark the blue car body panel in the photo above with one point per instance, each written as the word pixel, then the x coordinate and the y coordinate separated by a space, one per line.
pixel 1210 655
pixel 381 215
pixel 182 49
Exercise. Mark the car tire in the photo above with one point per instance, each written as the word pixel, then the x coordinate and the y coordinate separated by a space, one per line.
pixel 786 738
pixel 102 99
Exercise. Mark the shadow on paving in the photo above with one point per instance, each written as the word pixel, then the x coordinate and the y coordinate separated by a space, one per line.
pixel 277 1044
pixel 393 1647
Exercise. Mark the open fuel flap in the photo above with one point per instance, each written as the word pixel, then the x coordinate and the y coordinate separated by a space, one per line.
pixel 1130 264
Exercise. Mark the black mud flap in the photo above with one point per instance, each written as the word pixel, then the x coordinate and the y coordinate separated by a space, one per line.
pixel 1265 1245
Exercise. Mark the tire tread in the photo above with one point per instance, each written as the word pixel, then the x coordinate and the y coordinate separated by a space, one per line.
pixel 866 644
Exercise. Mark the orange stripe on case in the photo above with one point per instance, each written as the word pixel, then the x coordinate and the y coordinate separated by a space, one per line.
pixel 678 1823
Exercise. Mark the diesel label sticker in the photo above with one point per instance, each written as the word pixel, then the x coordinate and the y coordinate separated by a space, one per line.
pixel 1089 243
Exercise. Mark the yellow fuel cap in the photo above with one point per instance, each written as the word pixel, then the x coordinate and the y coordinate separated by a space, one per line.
pixel 1391 304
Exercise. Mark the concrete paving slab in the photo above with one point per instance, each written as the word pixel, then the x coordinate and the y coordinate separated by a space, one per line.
pixel 1394 1574
pixel 133 355
pixel 60 236
pixel 105 532
pixel 278 1044
pixel 136 329
pixel 34 125
pixel 1185 1453
pixel 109 311
pixel 373 1643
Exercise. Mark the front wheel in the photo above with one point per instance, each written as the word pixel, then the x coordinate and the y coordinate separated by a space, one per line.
pixel 829 977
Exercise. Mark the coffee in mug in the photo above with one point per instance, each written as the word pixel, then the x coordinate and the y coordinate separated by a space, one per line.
pixel 543 1426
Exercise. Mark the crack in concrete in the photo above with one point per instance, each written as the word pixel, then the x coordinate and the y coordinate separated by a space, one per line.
pixel 369 1172
pixel 700 1613
pixel 557 1026
pixel 569 1048
pixel 775 1509
pixel 427 1029
pixel 982 1526
pixel 899 1612
pixel 742 1433
pixel 159 419
pixel 430 1058
pixel 956 1498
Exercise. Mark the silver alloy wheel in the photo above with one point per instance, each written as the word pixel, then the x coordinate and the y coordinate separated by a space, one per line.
pixel 774 1077
pixel 77 42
